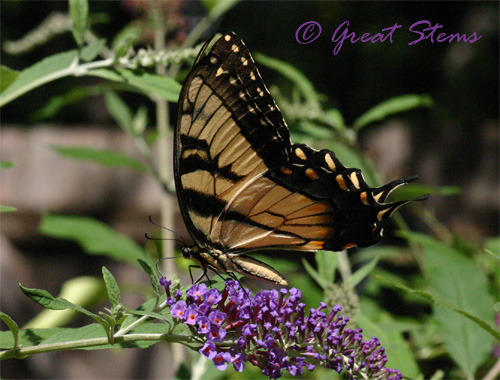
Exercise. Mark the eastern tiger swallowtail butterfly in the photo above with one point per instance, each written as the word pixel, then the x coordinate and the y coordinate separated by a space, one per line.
pixel 244 187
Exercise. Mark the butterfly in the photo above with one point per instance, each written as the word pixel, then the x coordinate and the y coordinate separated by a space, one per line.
pixel 244 187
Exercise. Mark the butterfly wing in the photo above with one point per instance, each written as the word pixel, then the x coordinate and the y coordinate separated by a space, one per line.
pixel 225 135
pixel 242 185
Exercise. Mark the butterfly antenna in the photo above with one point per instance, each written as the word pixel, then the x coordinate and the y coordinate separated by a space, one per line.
pixel 168 229
pixel 164 258
pixel 152 238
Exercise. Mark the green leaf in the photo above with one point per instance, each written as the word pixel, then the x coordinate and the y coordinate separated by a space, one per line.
pixel 64 335
pixel 111 287
pixel 292 73
pixel 27 337
pixel 326 262
pixel 167 317
pixel 383 252
pixel 47 70
pixel 7 76
pixel 392 106
pixel 13 327
pixel 398 351
pixel 83 290
pixel 144 309
pixel 361 273
pixel 140 120
pixel 96 238
pixel 493 245
pixel 120 112
pixel 46 300
pixel 79 12
pixel 57 102
pixel 414 190
pixel 91 51
pixel 218 7
pixel 103 157
pixel 315 274
pixel 334 117
pixel 153 276
pixel 126 37
pixel 7 208
pixel 314 130
pixel 149 83
pixel 7 164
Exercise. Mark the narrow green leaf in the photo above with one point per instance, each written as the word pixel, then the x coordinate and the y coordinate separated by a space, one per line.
pixel 398 351
pixel 392 106
pixel 361 273
pixel 149 83
pixel 383 252
pixel 44 71
pixel 334 117
pixel 7 209
pixel 79 12
pixel 140 121
pixel 315 274
pixel 7 76
pixel 493 245
pixel 96 238
pixel 218 7
pixel 153 276
pixel 414 190
pixel 57 102
pixel 103 157
pixel 91 51
pixel 120 112
pixel 326 262
pixel 46 300
pixel 7 164
pixel 292 73
pixel 111 287
pixel 146 307
pixel 312 129
pixel 126 37
pixel 167 317
pixel 13 327
pixel 83 291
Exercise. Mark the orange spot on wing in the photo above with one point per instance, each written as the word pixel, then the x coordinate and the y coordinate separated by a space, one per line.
pixel 341 181
pixel 311 174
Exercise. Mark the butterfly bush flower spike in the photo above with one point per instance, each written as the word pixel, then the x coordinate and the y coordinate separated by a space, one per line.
pixel 273 331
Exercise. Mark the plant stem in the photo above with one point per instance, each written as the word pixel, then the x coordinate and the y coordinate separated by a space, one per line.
pixel 164 168
pixel 93 342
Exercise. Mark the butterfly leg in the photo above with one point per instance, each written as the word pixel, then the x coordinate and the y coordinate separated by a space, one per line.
pixel 191 273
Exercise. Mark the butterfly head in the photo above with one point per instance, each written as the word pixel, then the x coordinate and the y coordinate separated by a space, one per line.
pixel 186 252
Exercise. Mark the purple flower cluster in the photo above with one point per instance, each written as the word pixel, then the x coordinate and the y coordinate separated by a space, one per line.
pixel 272 331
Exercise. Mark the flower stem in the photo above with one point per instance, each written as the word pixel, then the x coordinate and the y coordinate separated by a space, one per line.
pixel 93 342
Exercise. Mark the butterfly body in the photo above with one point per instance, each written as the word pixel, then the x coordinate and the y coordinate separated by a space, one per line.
pixel 221 262
pixel 244 187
